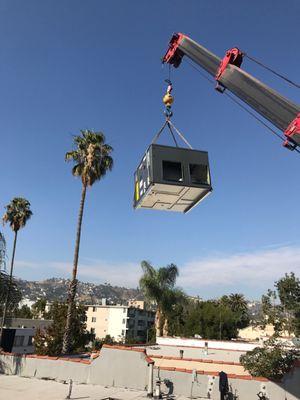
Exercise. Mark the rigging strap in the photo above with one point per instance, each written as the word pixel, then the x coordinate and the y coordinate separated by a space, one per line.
pixel 171 127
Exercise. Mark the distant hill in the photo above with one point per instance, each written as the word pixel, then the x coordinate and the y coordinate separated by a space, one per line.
pixel 87 293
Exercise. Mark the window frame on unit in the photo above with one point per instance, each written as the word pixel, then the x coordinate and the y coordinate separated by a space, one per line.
pixel 164 170
pixel 197 181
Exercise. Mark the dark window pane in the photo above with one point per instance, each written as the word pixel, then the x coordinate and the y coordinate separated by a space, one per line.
pixel 199 174
pixel 172 171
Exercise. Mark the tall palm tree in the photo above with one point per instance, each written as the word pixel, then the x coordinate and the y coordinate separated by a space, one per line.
pixel 17 214
pixel 158 285
pixel 92 161
pixel 2 252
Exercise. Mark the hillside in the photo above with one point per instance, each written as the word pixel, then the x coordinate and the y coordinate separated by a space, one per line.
pixel 88 293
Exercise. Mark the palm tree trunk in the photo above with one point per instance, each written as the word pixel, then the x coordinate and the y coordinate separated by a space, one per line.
pixel 158 322
pixel 166 327
pixel 67 340
pixel 9 286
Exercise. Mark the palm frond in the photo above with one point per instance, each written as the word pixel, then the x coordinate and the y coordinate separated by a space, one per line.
pixel 91 155
pixel 17 213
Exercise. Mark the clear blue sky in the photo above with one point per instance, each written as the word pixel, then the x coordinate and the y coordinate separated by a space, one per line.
pixel 70 65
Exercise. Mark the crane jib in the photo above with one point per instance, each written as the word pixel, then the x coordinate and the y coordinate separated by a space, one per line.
pixel 276 108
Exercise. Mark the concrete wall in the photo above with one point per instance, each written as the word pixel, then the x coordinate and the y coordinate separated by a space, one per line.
pixel 212 344
pixel 116 367
pixel 129 368
pixel 44 368
pixel 247 389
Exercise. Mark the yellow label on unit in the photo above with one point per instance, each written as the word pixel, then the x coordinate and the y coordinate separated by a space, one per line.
pixel 137 194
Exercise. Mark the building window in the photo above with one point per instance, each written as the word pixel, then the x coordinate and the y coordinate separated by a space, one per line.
pixel 94 309
pixel 172 171
pixel 141 322
pixel 19 341
pixel 123 332
pixel 124 321
pixel 30 340
pixel 93 319
pixel 124 310
pixel 92 331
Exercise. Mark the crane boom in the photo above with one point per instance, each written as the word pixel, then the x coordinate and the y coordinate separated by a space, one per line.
pixel 277 109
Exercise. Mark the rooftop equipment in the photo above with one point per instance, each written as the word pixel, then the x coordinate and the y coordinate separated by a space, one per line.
pixel 171 178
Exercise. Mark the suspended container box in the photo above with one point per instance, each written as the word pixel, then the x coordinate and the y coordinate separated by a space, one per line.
pixel 171 178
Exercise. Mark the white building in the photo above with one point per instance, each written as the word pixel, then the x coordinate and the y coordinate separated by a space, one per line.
pixel 120 322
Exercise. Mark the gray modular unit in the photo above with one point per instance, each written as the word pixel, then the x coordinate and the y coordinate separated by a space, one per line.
pixel 171 179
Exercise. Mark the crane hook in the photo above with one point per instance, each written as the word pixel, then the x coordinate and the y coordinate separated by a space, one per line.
pixel 168 99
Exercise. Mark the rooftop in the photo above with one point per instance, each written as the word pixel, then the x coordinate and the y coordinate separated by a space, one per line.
pixel 17 388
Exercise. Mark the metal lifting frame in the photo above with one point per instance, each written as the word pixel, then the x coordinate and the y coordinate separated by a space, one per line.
pixel 277 109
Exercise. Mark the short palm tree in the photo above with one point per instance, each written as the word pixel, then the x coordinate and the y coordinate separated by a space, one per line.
pixel 92 160
pixel 237 302
pixel 17 214
pixel 158 285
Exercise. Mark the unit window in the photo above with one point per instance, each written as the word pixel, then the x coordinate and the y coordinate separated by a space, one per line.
pixel 92 331
pixel 94 309
pixel 123 322
pixel 93 319
pixel 172 171
pixel 123 332
pixel 30 340
pixel 19 341
pixel 199 174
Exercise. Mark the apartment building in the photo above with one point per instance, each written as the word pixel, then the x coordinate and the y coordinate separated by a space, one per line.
pixel 120 322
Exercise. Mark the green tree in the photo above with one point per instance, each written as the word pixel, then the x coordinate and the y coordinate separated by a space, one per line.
pixel 158 285
pixel 15 293
pixel 238 305
pixel 98 343
pixel 49 341
pixel 38 308
pixel 92 161
pixel 288 289
pixel 271 361
pixel 211 320
pixel 17 214
pixel 23 312
pixel 281 307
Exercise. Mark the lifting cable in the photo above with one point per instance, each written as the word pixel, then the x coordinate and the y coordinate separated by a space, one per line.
pixel 272 70
pixel 232 98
